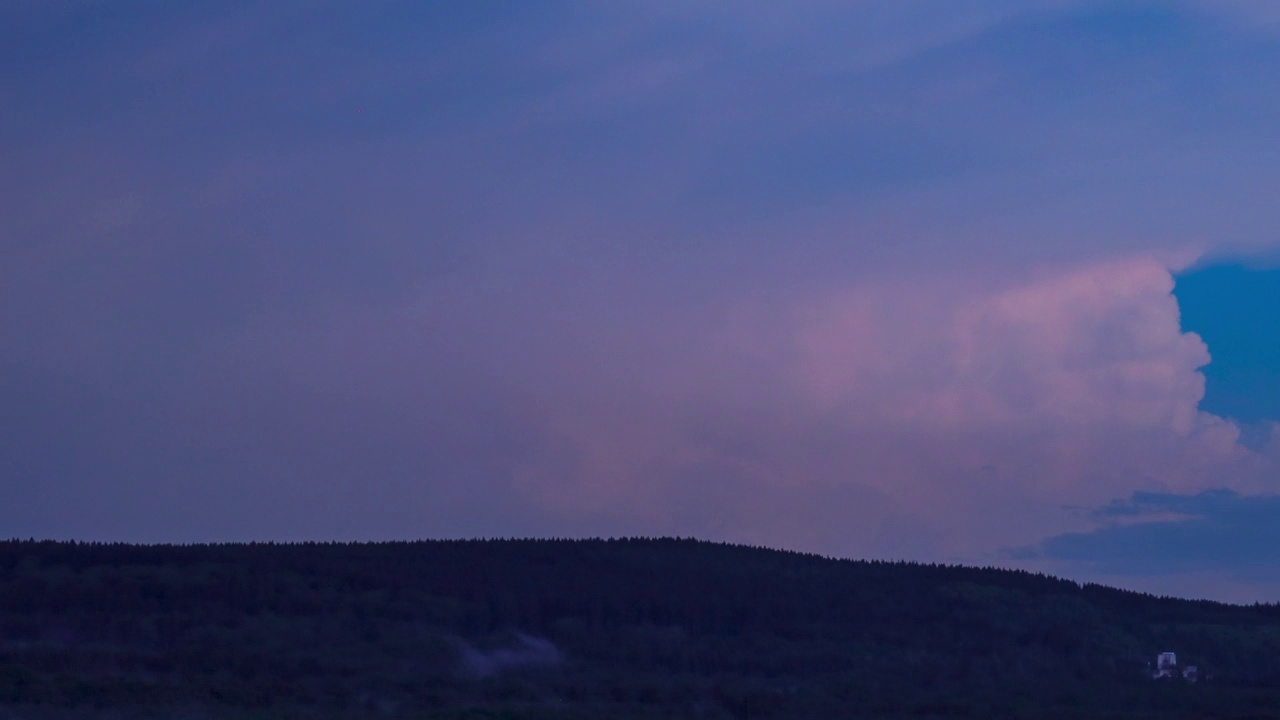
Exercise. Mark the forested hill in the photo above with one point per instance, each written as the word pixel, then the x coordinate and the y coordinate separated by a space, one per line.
pixel 597 629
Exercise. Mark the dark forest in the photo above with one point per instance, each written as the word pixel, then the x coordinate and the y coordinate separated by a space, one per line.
pixel 629 628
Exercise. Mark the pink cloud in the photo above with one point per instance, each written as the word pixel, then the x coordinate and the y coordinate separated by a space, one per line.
pixel 933 417
pixel 962 408
pixel 1098 344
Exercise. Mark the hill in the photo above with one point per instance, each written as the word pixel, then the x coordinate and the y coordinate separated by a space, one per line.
pixel 633 628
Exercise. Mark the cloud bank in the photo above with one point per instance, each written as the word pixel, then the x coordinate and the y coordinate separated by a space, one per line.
pixel 302 271
pixel 890 416
pixel 1195 538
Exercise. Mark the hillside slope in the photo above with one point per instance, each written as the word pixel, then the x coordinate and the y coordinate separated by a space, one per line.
pixel 596 628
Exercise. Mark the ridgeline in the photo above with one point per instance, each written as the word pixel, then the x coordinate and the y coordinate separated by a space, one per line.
pixel 634 628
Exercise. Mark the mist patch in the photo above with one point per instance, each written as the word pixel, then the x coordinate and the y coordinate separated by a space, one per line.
pixel 520 652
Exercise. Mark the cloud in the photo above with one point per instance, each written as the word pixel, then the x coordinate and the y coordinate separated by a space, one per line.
pixel 1100 344
pixel 878 410
pixel 927 417
pixel 864 278
pixel 1172 534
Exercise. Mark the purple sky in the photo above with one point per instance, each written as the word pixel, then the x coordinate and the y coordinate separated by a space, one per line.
pixel 876 279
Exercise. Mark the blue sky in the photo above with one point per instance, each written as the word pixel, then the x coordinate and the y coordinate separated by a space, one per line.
pixel 910 279
pixel 1233 306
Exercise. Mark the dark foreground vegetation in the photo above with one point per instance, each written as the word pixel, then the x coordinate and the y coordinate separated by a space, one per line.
pixel 596 629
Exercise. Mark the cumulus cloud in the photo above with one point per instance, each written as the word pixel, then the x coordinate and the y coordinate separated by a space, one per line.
pixel 1099 344
pixel 902 416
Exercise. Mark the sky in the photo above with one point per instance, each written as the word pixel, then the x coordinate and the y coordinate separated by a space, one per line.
pixel 977 281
